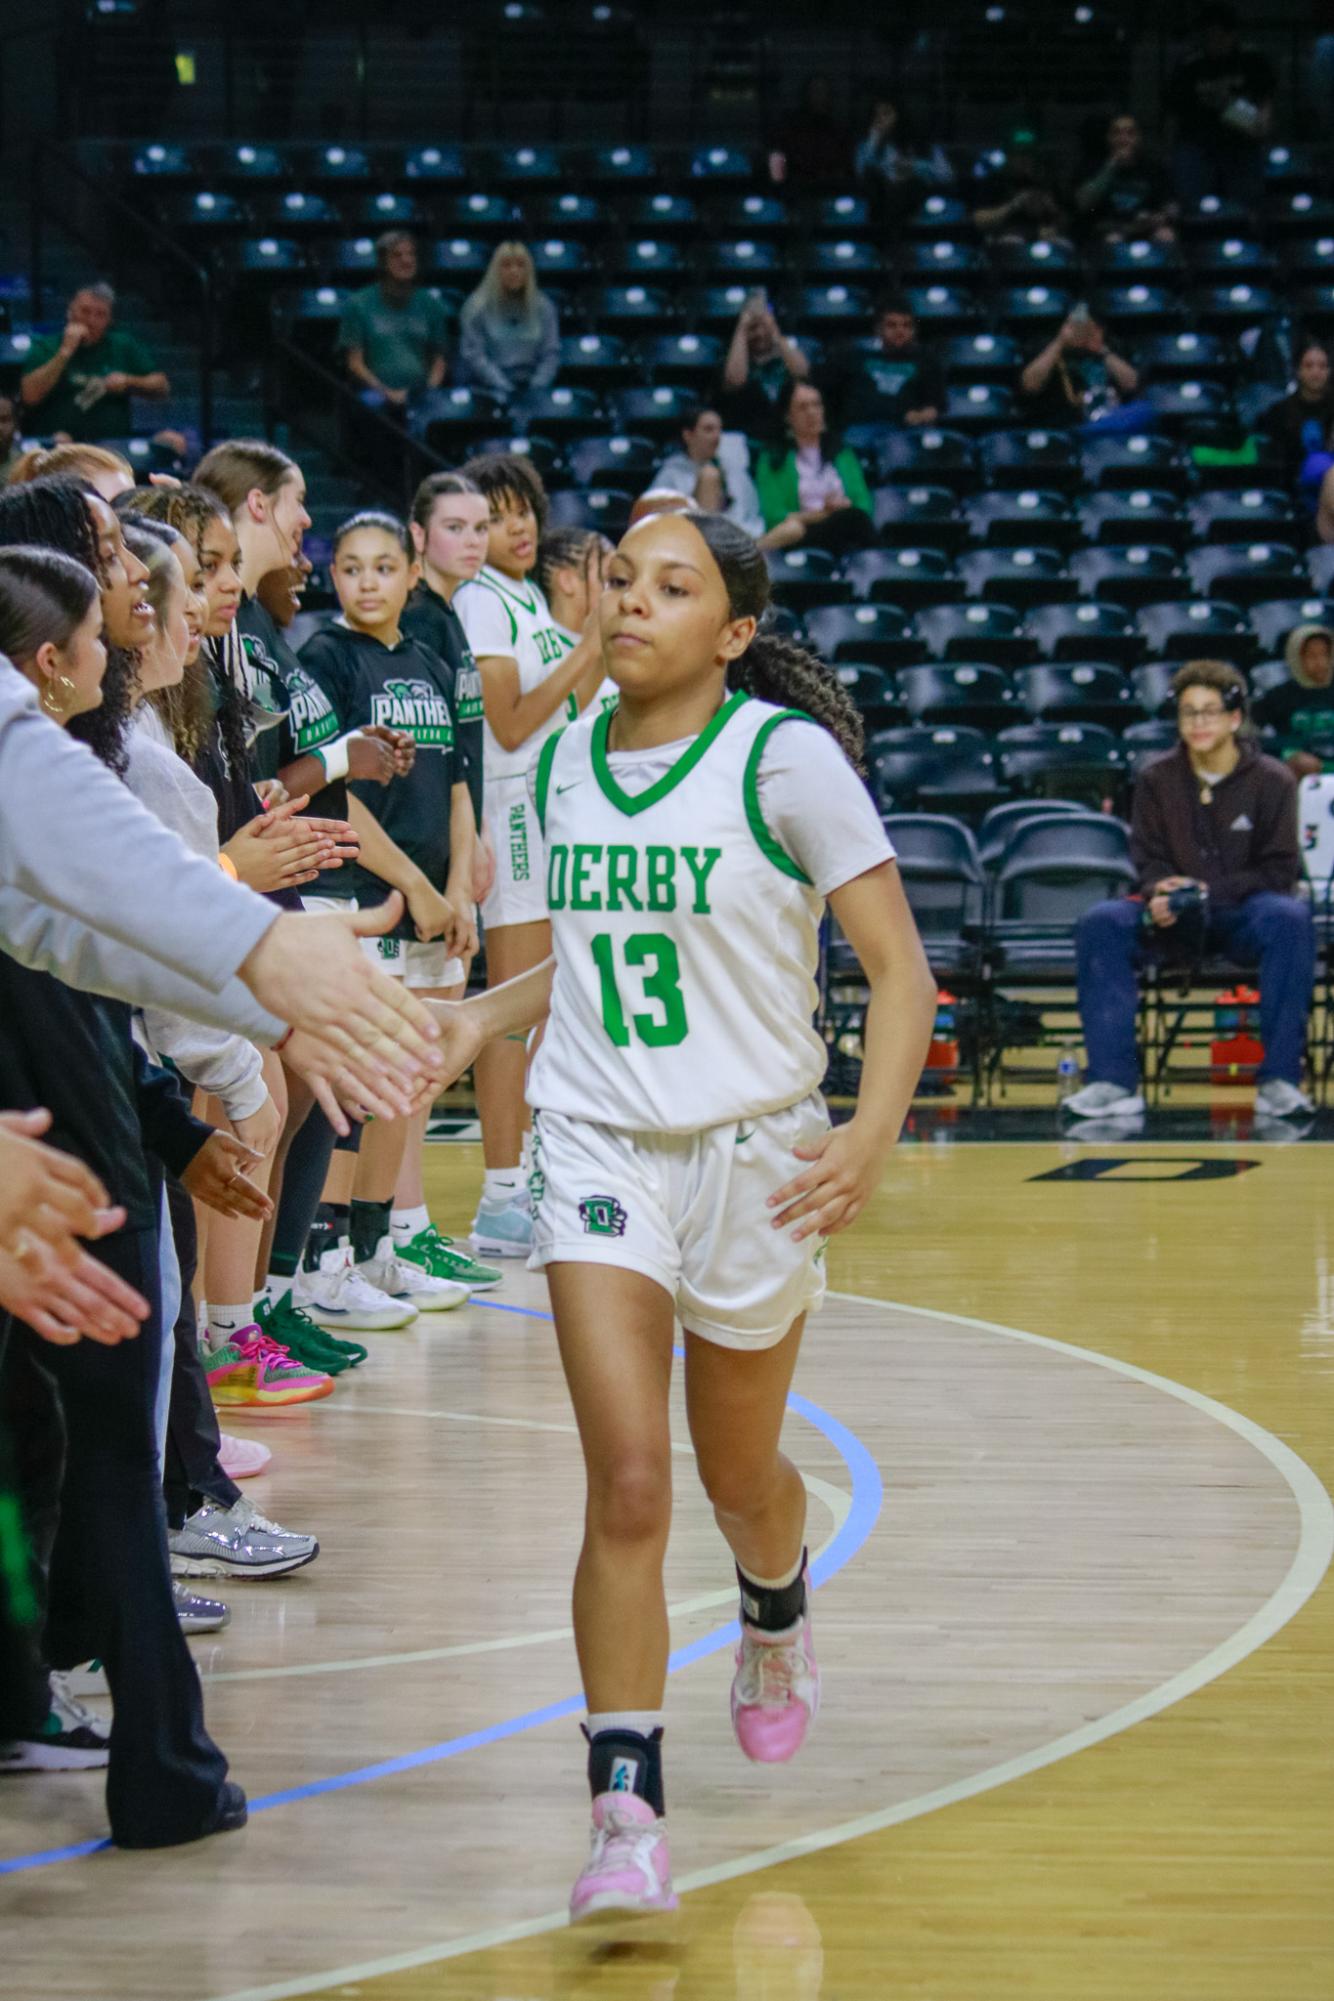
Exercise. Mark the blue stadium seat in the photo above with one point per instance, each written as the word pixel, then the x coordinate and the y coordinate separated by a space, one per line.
pixel 1136 574
pixel 163 163
pixel 1195 628
pixel 1017 517
pixel 748 215
pixel 613 459
pixel 595 361
pixel 656 412
pixel 253 163
pixel 943 308
pixel 388 210
pixel 646 259
pixel 834 305
pixel 660 214
pixel 748 260
pixel 1310 259
pixel 928 456
pixel 946 766
pixel 311 316
pixel 1188 409
pixel 1288 165
pixel 275 259
pixel 832 215
pixel 566 411
pixel 1038 263
pixel 1245 573
pixel 527 166
pixel 878 633
pixel 1144 742
pixel 1152 683
pixel 1064 760
pixel 944 885
pixel 616 167
pixel 1303 213
pixel 1139 460
pixel 873 690
pixel 436 164
pixel 910 578
pixel 941 257
pixel 1228 307
pixel 1226 260
pixel 713 309
pixel 566 215
pixel 1213 217
pixel 295 209
pixel 721 163
pixel 336 162
pixel 919 517
pixel 545 453
pixel 1031 310
pixel 1272 621
pixel 1088 630
pixel 1000 826
pixel 942 215
pixel 1248 513
pixel 463 257
pixel 496 214
pixel 1022 577
pixel 967 691
pixel 354 257
pixel 1124 516
pixel 972 631
pixel 458 414
pixel 1142 307
pixel 804 578
pixel 1183 357
pixel 841 256
pixel 979 406
pixel 559 257
pixel 1313 307
pixel 981 357
pixel 1032 458
pixel 1141 257
pixel 1056 867
pixel 689 359
pixel 600 507
pixel 205 210
pixel 1078 691
pixel 630 308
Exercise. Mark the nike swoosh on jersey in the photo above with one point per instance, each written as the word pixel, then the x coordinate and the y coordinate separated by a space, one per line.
pixel 741 1138
pixel 568 788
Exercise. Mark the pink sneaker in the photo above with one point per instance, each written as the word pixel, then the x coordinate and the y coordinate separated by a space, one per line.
pixel 251 1369
pixel 242 1458
pixel 775 1692
pixel 628 1868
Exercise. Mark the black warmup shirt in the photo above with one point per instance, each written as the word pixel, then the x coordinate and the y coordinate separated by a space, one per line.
pixel 438 626
pixel 405 687
pixel 278 681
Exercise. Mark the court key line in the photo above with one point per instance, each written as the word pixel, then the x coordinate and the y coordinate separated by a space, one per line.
pixel 861 1517
pixel 1315 1549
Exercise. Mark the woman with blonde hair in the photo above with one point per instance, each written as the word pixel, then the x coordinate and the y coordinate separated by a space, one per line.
pixel 106 471
pixel 509 331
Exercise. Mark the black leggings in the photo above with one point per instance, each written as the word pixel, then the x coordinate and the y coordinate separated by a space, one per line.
pixel 192 1471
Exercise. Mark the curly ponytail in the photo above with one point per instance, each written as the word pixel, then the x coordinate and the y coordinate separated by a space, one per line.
pixel 774 668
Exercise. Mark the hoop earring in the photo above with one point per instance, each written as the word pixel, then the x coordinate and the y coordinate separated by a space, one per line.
pixel 57 706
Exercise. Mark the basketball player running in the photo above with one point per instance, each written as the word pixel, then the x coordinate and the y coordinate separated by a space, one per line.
pixel 684 1164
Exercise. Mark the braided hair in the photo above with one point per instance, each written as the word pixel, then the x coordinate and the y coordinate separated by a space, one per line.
pixel 54 514
pixel 192 510
pixel 568 549
pixel 773 668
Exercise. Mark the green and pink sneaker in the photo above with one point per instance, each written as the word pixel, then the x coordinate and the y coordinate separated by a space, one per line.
pixel 440 1257
pixel 254 1371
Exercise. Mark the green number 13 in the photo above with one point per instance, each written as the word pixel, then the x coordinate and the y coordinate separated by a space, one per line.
pixel 661 984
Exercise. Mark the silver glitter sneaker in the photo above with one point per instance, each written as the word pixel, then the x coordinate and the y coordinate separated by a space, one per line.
pixel 236 1542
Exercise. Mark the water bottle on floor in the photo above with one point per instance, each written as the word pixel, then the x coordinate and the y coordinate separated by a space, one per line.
pixel 1067 1074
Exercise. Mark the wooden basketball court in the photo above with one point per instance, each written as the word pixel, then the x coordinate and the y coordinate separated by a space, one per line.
pixel 1064 1424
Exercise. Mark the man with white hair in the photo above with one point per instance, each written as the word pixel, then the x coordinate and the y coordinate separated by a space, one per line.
pixel 80 382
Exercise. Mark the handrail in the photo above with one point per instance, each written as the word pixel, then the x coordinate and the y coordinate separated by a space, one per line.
pixel 48 160
pixel 414 457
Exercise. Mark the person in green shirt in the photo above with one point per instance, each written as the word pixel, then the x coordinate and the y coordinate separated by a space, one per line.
pixel 811 486
pixel 392 334
pixel 1302 709
pixel 80 381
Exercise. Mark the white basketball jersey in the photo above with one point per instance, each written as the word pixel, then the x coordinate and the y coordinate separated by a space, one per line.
pixel 686 940
pixel 608 694
pixel 501 616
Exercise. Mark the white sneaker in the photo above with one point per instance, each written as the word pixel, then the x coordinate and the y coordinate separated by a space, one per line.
pixel 1277 1099
pixel 401 1281
pixel 338 1296
pixel 1104 1101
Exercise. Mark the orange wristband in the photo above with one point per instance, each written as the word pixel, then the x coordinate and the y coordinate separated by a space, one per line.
pixel 228 867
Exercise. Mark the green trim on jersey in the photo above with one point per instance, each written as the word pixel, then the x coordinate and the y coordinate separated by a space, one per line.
pixel 750 788
pixel 684 765
pixel 542 785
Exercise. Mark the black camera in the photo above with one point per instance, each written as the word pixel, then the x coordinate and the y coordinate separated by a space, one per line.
pixel 1189 897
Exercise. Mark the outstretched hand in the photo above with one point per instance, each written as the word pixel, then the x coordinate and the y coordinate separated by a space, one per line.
pixel 217 1178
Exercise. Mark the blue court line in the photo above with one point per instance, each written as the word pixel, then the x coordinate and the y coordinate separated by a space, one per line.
pixel 867 1499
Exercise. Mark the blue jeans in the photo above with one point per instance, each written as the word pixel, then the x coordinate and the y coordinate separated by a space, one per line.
pixel 1273 932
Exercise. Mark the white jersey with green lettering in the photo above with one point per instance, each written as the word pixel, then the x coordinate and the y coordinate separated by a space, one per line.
pixel 686 938
pixel 608 694
pixel 503 617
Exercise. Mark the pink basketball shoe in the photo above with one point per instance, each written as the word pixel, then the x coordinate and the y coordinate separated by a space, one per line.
pixel 628 1868
pixel 775 1692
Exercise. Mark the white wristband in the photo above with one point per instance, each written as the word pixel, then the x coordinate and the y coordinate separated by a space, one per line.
pixel 336 757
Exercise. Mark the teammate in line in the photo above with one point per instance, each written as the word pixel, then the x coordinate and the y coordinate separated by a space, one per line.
pixel 684 1165
pixel 528 673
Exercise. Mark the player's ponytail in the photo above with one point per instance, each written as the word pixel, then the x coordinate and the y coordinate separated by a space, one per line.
pixel 772 667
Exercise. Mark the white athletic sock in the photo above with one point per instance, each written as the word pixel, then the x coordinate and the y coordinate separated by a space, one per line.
pixel 224 1321
pixel 408 1223
pixel 278 1284
pixel 500 1185
pixel 779 1583
pixel 642 1721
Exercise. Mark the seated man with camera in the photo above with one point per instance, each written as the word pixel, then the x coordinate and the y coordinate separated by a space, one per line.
pixel 1214 839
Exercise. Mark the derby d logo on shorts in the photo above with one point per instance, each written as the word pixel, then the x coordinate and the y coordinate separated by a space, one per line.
pixel 602 1216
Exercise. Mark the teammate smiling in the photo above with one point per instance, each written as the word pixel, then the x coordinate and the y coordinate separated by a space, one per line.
pixel 684 1165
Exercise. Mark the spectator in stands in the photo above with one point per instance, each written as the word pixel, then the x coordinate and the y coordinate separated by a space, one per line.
pixel 761 365
pixel 1077 379
pixel 392 334
pixel 1129 195
pixel 813 145
pixel 712 469
pixel 1216 818
pixel 12 444
pixel 811 486
pixel 1019 203
pixel 896 171
pixel 898 382
pixel 1219 104
pixel 79 383
pixel 510 333
pixel 1302 709
pixel 1298 424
